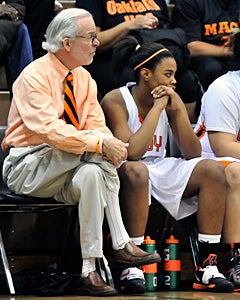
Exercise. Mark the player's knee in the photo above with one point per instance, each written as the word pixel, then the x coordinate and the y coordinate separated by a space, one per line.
pixel 135 173
pixel 212 171
pixel 233 174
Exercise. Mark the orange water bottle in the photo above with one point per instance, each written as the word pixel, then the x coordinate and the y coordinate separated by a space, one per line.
pixel 150 271
pixel 172 264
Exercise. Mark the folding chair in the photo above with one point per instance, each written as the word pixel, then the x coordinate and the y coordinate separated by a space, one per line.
pixel 36 209
pixel 14 208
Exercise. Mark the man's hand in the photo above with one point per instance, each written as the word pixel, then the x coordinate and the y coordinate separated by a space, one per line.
pixel 114 150
pixel 8 12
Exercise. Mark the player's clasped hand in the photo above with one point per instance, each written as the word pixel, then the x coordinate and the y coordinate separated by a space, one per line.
pixel 163 90
pixel 167 95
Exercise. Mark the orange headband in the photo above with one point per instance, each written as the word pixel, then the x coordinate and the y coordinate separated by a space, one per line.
pixel 146 60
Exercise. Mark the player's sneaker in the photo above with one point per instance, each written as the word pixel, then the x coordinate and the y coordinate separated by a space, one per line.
pixel 232 265
pixel 132 281
pixel 208 277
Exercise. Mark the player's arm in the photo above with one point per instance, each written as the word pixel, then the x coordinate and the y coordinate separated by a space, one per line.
pixel 117 120
pixel 182 130
pixel 224 144
pixel 116 115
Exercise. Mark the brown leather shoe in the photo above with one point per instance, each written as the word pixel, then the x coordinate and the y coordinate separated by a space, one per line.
pixel 93 285
pixel 132 255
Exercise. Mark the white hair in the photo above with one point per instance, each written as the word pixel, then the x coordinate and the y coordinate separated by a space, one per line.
pixel 63 25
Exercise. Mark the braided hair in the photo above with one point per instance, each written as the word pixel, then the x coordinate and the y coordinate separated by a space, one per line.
pixel 129 53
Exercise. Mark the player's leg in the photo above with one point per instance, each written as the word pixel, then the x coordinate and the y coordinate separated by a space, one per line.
pixel 209 182
pixel 231 228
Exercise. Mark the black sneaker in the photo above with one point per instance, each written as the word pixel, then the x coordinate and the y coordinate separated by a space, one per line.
pixel 232 265
pixel 208 277
pixel 132 281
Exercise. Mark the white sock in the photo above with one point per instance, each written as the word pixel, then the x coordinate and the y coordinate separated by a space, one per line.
pixel 209 238
pixel 138 240
pixel 88 266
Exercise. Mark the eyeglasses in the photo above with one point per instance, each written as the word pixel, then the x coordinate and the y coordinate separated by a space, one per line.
pixel 91 37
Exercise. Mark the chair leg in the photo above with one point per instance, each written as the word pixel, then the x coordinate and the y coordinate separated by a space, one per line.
pixel 6 267
pixel 167 230
pixel 73 219
pixel 192 232
pixel 102 265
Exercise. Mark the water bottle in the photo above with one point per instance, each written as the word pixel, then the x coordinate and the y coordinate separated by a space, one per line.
pixel 150 271
pixel 172 264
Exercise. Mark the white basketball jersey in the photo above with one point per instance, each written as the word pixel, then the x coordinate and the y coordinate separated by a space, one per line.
pixel 159 140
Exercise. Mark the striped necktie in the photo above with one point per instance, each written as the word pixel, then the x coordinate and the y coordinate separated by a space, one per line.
pixel 70 107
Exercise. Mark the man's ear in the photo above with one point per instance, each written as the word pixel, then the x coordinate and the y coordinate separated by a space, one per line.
pixel 67 43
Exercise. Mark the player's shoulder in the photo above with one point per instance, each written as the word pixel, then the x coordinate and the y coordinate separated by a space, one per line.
pixel 112 98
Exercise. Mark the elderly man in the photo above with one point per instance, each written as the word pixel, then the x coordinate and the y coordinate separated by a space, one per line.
pixel 59 144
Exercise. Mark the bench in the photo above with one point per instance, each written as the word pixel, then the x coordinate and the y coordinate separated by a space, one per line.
pixel 33 226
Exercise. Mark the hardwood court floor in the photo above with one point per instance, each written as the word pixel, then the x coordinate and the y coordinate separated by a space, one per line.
pixel 182 295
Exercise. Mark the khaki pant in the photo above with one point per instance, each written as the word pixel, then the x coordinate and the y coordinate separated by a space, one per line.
pixel 42 171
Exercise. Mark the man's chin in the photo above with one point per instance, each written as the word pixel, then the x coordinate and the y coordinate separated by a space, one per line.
pixel 89 62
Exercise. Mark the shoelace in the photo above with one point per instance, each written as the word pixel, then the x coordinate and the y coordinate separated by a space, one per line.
pixel 211 260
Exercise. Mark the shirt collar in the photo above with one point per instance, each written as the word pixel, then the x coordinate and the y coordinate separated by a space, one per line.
pixel 57 65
